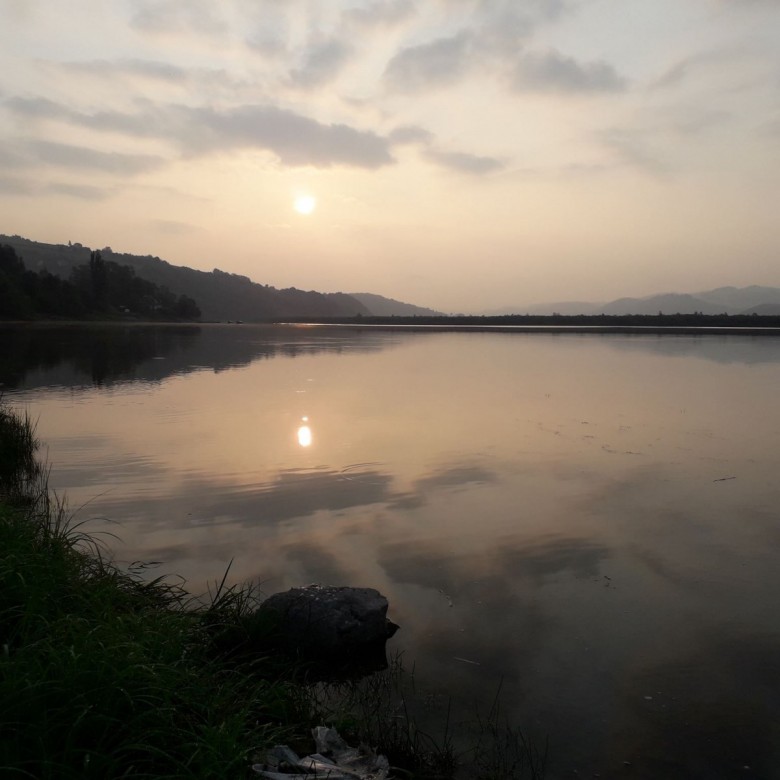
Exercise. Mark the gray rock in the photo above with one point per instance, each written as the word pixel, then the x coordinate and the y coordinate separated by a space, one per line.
pixel 329 621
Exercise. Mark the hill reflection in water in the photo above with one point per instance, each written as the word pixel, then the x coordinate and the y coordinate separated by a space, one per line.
pixel 102 355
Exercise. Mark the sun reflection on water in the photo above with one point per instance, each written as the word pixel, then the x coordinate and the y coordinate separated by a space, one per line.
pixel 304 433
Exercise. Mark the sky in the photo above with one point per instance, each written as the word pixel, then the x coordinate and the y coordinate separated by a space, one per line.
pixel 464 155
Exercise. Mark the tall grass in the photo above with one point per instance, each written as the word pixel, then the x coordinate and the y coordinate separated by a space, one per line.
pixel 103 674
pixel 20 470
pixel 376 710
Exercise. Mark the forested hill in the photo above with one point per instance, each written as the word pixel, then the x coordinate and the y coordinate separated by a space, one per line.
pixel 220 295
pixel 380 306
pixel 97 290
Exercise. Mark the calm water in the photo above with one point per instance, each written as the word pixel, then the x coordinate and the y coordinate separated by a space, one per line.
pixel 590 521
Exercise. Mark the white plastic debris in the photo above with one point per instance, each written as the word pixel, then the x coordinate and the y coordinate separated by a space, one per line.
pixel 334 759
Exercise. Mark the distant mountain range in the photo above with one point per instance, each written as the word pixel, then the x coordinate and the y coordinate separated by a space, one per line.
pixel 219 295
pixel 722 300
pixel 226 296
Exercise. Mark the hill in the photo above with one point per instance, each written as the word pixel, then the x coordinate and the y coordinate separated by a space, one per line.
pixel 721 300
pixel 558 307
pixel 668 303
pixel 102 290
pixel 220 295
pixel 764 310
pixel 380 306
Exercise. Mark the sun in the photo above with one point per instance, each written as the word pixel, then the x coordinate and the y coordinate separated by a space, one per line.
pixel 305 204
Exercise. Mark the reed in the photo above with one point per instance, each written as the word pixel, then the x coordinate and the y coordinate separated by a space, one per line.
pixel 102 673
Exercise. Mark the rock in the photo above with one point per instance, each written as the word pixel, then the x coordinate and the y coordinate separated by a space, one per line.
pixel 329 622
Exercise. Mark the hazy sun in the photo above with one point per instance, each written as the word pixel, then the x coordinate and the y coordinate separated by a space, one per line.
pixel 305 204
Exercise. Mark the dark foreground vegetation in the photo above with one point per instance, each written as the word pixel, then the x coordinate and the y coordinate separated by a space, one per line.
pixel 106 674
pixel 99 289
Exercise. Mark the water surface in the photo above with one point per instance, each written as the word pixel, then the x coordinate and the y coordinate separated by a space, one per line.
pixel 588 520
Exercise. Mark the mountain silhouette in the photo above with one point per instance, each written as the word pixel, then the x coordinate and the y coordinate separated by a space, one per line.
pixel 219 295
pixel 389 307
pixel 721 300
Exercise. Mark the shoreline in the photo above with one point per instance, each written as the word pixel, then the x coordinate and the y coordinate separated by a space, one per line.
pixel 411 327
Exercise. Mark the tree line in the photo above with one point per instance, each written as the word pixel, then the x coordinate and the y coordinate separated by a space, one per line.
pixel 660 320
pixel 95 290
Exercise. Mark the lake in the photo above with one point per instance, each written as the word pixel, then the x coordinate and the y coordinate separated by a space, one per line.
pixel 587 521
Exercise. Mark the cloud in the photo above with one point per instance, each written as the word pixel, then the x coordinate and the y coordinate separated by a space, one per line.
pixel 323 63
pixel 677 72
pixel 15 186
pixel 150 73
pixel 173 228
pixel 82 191
pixel 691 121
pixel 25 155
pixel 504 31
pixel 68 156
pixel 38 108
pixel 720 67
pixel 267 43
pixel 553 72
pixel 682 70
pixel 501 27
pixel 11 156
pixel 382 13
pixel 772 127
pixel 410 134
pixel 267 27
pixel 295 139
pixel 435 64
pixel 19 11
pixel 150 69
pixel 18 186
pixel 177 16
pixel 492 35
pixel 463 162
pixel 631 148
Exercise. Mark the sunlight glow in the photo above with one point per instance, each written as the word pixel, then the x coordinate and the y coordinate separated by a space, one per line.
pixel 305 204
pixel 304 436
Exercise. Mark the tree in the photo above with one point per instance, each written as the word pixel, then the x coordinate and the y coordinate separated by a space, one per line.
pixel 11 265
pixel 14 301
pixel 98 279
pixel 186 308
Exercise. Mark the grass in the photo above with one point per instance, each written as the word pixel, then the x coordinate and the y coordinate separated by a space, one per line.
pixel 502 751
pixel 105 674
pixel 380 710
pixel 20 470
pixel 375 710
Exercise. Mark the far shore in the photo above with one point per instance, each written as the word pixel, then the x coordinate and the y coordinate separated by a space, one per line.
pixel 641 324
